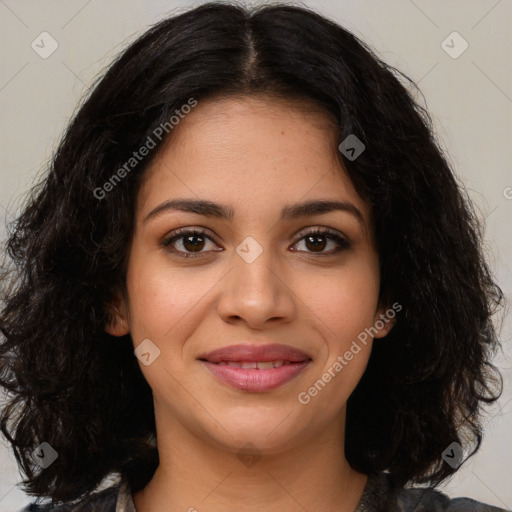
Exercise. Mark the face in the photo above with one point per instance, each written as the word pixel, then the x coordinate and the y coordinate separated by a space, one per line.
pixel 251 276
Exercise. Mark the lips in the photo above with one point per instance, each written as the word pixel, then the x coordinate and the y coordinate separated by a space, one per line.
pixel 255 368
pixel 255 354
pixel 260 365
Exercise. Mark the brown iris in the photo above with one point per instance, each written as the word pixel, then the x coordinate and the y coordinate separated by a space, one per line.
pixel 317 245
pixel 197 245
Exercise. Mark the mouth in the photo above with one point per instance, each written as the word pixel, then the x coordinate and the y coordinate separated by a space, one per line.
pixel 256 353
pixel 260 365
pixel 255 368
pixel 247 376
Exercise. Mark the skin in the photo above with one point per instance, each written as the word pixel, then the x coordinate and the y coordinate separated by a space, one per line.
pixel 256 154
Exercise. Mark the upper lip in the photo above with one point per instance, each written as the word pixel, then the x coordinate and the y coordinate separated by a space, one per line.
pixel 255 353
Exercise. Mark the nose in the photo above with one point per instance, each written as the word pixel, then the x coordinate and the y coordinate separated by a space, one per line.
pixel 256 292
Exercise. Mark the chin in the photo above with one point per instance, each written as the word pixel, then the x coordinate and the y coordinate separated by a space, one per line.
pixel 267 433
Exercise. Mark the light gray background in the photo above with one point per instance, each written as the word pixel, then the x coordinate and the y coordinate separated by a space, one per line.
pixel 470 98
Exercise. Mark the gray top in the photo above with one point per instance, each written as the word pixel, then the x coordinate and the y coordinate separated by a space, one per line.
pixel 377 497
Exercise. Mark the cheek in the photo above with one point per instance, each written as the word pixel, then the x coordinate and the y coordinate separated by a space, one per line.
pixel 346 301
pixel 343 308
pixel 163 298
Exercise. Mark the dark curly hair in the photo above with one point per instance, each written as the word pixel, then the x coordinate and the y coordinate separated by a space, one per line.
pixel 81 390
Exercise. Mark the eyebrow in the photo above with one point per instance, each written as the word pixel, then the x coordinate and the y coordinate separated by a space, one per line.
pixel 225 212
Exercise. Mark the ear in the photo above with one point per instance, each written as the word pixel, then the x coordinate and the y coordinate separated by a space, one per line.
pixel 385 319
pixel 117 325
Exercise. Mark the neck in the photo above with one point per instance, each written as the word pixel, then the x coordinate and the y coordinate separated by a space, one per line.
pixel 196 474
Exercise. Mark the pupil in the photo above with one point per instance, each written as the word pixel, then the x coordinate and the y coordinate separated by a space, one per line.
pixel 193 245
pixel 320 245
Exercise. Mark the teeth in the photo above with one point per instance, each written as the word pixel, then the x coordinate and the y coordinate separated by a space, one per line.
pixel 260 365
pixel 268 365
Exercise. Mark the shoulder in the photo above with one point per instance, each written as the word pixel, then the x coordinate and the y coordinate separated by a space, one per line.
pixel 104 501
pixel 432 500
pixel 380 496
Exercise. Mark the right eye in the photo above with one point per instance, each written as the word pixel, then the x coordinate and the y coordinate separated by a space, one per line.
pixel 192 240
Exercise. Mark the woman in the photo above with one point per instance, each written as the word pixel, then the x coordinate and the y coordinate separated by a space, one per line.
pixel 244 284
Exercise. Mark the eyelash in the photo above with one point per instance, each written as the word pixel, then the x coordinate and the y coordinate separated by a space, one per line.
pixel 342 242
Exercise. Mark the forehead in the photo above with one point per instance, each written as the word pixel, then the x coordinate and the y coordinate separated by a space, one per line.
pixel 250 152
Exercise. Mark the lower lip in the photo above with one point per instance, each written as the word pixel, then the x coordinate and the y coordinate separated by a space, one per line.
pixel 254 380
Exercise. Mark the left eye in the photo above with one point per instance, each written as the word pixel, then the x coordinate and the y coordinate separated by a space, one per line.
pixel 194 242
pixel 318 240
